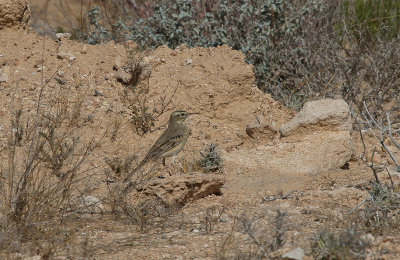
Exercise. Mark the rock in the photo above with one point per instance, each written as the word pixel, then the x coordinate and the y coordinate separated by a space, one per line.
pixel 261 128
pixel 297 254
pixel 146 68
pixel 84 49
pixel 123 77
pixel 4 72
pixel 14 13
pixel 321 115
pixel 61 36
pixel 117 63
pixel 368 238
pixel 189 61
pixel 320 152
pixel 64 55
pixel 179 190
pixel 92 205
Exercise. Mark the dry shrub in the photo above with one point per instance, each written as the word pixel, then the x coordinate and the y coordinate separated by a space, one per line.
pixel 331 58
pixel 44 179
pixel 254 237
pixel 136 92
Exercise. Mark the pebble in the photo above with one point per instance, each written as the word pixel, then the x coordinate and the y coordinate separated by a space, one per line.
pixel 84 49
pixel 61 36
pixel 296 254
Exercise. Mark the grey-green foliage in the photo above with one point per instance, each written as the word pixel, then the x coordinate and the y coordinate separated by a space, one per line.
pixel 254 27
pixel 342 244
pixel 211 160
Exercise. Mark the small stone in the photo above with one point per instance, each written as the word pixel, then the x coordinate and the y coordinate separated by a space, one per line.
pixel 40 68
pixel 92 205
pixel 3 77
pixel 63 55
pixel 61 36
pixel 163 60
pixel 117 63
pixel 296 254
pixel 84 49
pixel 123 77
pixel 60 73
pixel 195 231
pixel 72 58
pixel 189 61
pixel 368 237
pixel 107 76
pixel 4 72
pixel 174 53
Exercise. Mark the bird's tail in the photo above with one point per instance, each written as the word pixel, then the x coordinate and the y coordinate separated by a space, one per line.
pixel 129 176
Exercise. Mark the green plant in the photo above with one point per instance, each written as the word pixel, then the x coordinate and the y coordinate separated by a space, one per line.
pixel 380 212
pixel 371 20
pixel 255 27
pixel 342 244
pixel 211 160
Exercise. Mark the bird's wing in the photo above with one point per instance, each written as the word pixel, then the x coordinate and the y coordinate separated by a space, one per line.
pixel 164 143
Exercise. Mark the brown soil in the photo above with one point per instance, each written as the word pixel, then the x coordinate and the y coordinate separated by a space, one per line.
pixel 217 84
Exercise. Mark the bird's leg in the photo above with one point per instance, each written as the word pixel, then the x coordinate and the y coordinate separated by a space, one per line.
pixel 163 161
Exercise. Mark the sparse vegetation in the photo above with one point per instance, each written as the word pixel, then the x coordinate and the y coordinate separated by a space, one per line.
pixel 212 216
pixel 260 236
pixel 301 50
pixel 43 179
pixel 136 92
pixel 381 211
pixel 211 160
pixel 342 244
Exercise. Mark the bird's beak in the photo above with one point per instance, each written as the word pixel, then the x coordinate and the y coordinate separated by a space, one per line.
pixel 194 113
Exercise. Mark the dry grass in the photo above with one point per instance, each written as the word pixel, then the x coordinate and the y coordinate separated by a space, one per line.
pixel 44 178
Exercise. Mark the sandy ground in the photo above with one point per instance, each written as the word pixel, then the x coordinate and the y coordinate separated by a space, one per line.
pixel 216 83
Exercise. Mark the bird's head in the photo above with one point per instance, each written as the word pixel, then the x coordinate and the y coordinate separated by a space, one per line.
pixel 179 116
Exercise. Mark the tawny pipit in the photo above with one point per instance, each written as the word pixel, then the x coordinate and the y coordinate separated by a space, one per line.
pixel 170 143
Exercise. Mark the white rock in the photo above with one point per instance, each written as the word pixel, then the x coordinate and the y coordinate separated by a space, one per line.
pixel 296 254
pixel 91 204
pixel 321 115
pixel 61 36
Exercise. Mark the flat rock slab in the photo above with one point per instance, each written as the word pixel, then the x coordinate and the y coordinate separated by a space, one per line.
pixel 321 115
pixel 314 153
pixel 179 190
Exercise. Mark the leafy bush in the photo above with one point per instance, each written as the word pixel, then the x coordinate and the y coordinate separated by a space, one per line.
pixel 301 50
pixel 254 27
pixel 371 20
pixel 211 160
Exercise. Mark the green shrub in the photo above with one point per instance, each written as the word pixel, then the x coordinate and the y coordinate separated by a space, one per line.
pixel 211 160
pixel 372 19
pixel 254 27
pixel 342 244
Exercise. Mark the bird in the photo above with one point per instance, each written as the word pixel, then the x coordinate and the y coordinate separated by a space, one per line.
pixel 170 143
